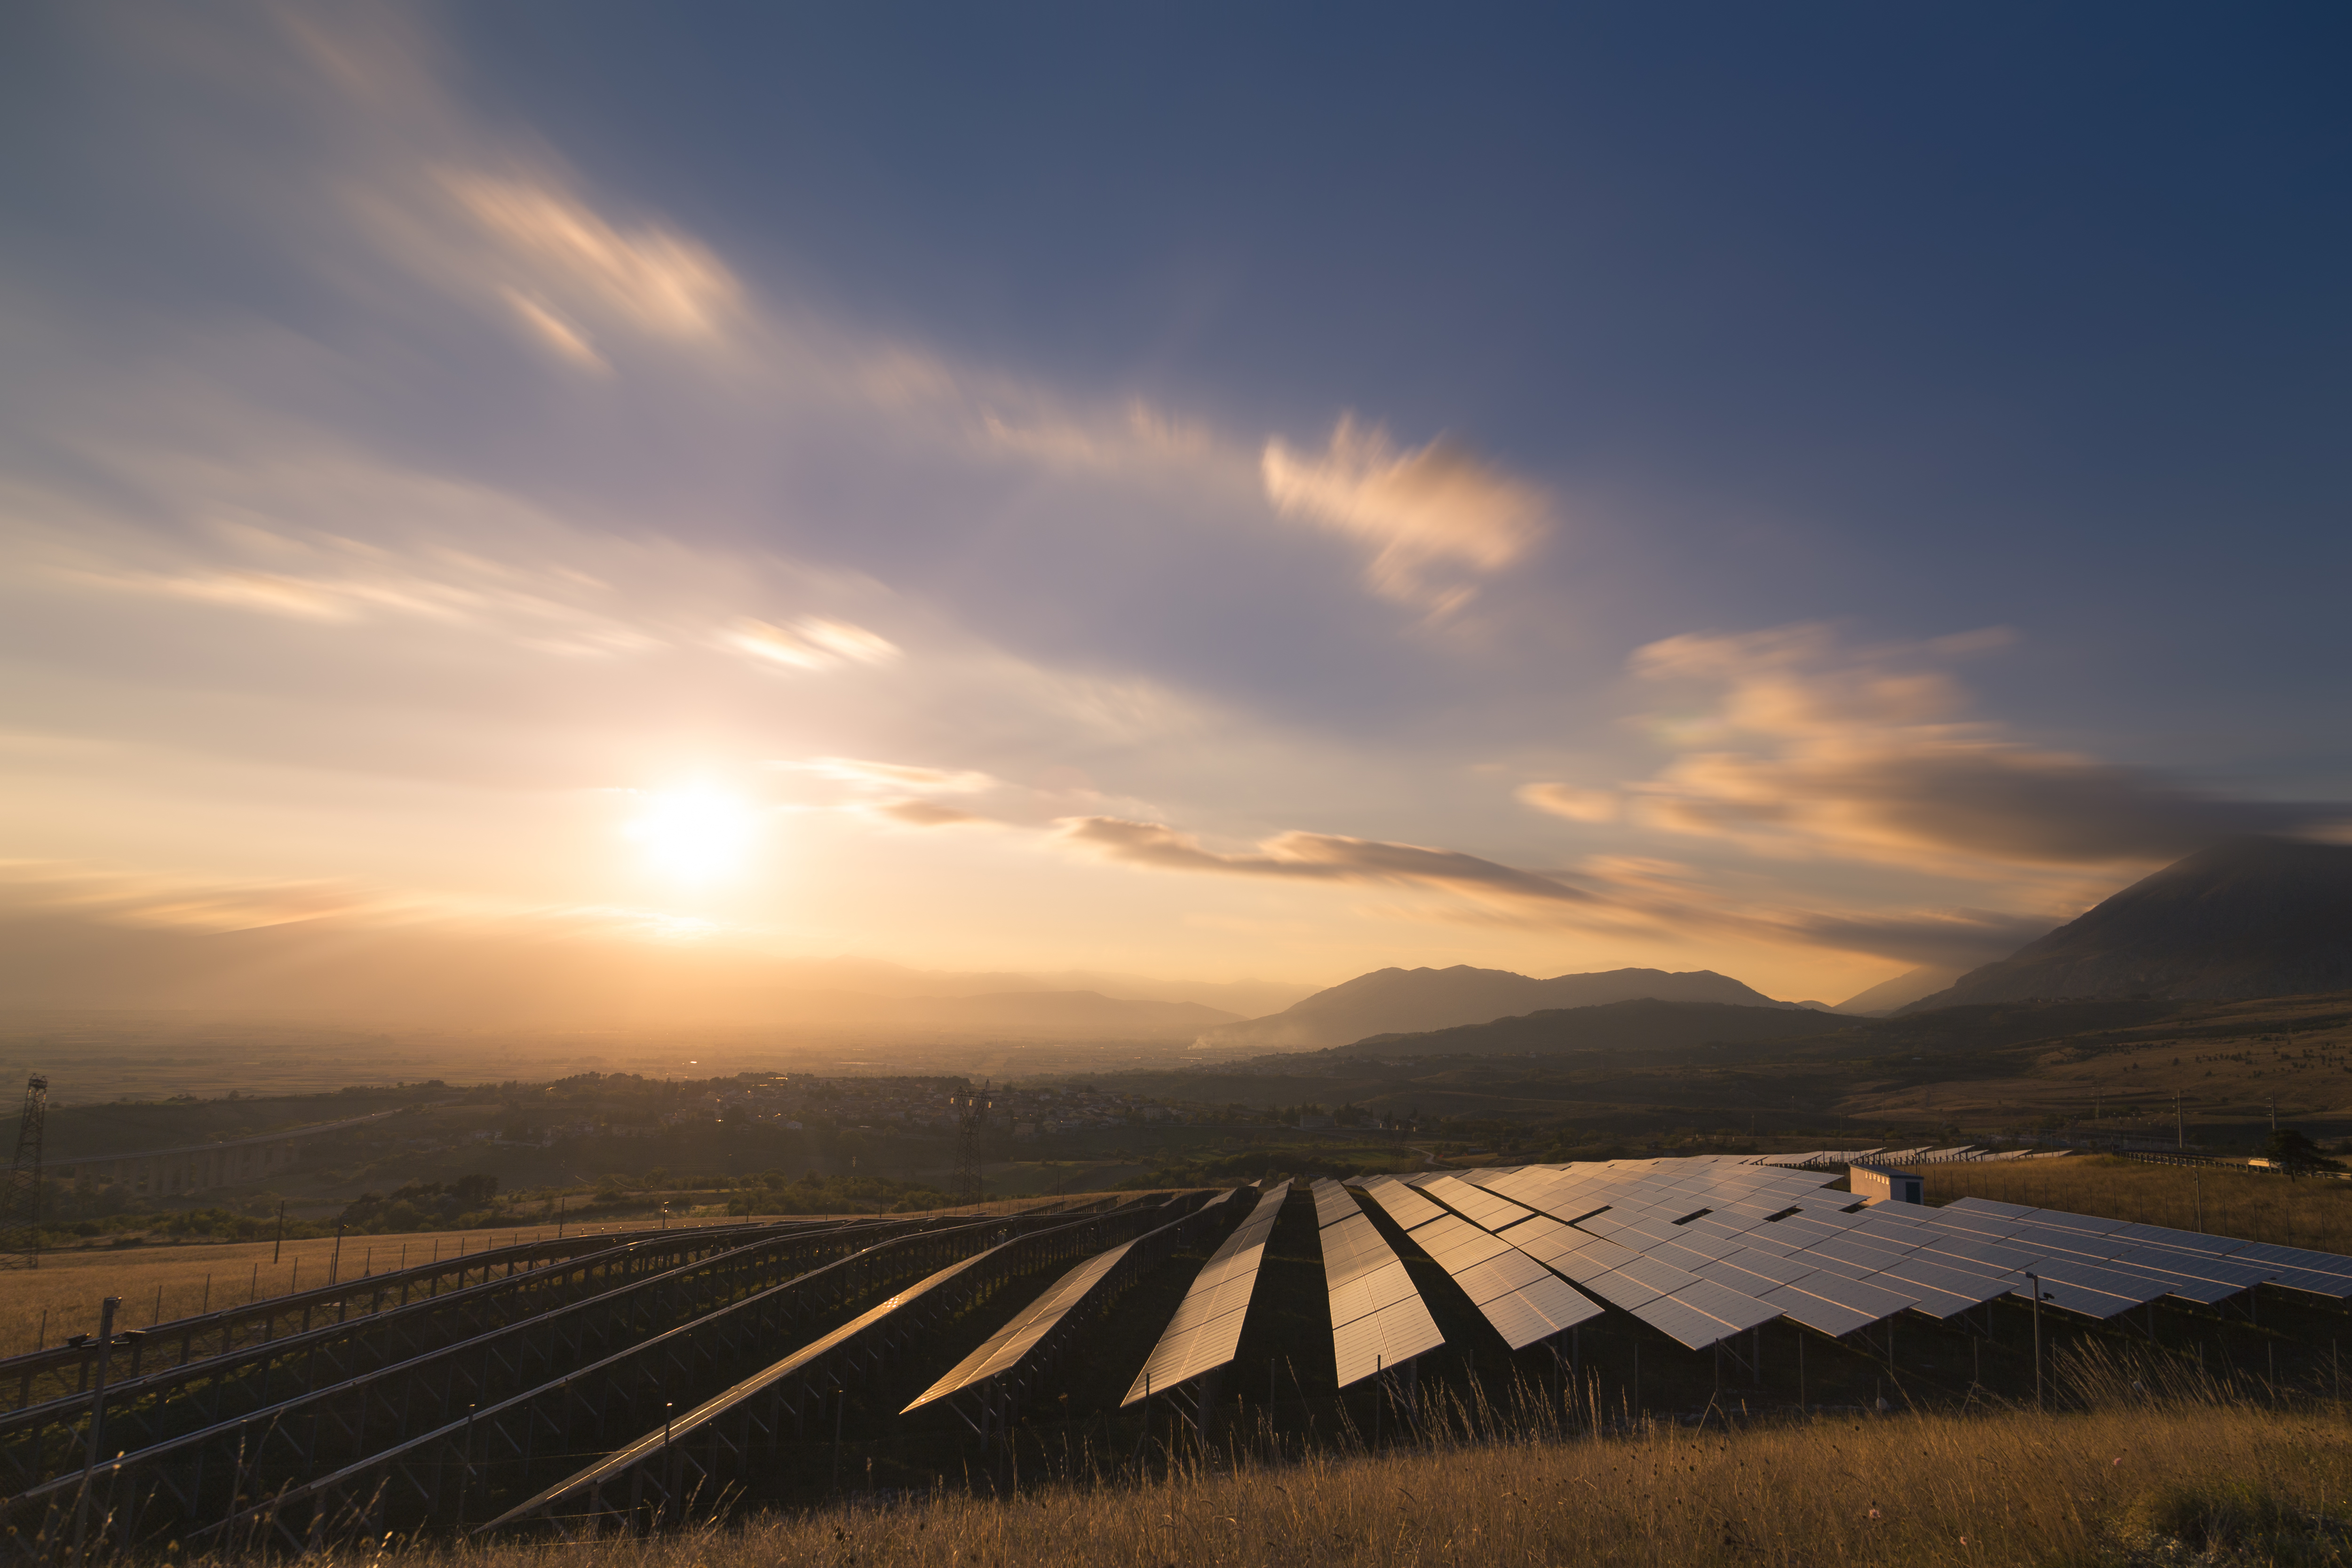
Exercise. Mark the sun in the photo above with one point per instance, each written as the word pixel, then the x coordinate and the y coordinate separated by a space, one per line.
pixel 695 834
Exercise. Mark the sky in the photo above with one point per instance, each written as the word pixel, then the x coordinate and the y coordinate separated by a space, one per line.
pixel 1211 492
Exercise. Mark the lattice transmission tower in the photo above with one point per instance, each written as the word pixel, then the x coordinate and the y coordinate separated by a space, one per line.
pixel 20 1202
pixel 971 1109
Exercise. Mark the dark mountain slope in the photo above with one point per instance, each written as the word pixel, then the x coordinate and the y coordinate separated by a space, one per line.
pixel 2251 917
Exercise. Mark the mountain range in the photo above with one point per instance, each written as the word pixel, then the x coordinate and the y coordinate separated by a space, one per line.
pixel 1401 1001
pixel 2246 918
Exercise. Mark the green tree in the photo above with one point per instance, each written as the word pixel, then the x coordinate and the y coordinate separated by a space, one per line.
pixel 2295 1154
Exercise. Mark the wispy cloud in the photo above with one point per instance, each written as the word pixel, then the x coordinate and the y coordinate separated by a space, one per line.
pixel 810 643
pixel 1433 514
pixel 897 777
pixel 652 276
pixel 1319 856
pixel 927 813
pixel 1805 747
pixel 1617 895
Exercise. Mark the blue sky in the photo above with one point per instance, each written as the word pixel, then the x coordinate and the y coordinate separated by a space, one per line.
pixel 1203 491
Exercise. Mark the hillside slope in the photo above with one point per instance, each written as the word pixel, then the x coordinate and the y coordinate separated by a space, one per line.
pixel 1403 1000
pixel 2251 917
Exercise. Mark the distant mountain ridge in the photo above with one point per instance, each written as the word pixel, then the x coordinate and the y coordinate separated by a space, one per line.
pixel 2248 919
pixel 1413 1001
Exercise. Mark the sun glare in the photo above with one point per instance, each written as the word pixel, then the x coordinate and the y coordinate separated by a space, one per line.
pixel 697 834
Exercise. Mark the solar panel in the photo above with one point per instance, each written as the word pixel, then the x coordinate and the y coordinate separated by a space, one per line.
pixel 1621 1230
pixel 1384 1341
pixel 1378 1319
pixel 2200 1265
pixel 1332 1204
pixel 1004 1347
pixel 2184 1240
pixel 1520 1297
pixel 1783 1269
pixel 1680 1320
pixel 1400 1203
pixel 1815 1312
pixel 1727 1304
pixel 1877 1299
pixel 1945 1290
pixel 2293 1258
pixel 1481 1207
pixel 2131 1290
pixel 1207 1327
pixel 1537 1312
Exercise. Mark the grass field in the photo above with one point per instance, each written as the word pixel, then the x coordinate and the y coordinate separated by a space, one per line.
pixel 2188 1478
pixel 2257 1205
pixel 159 1283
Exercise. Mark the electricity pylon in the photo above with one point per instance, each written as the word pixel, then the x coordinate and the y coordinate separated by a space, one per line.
pixel 971 1109
pixel 20 1201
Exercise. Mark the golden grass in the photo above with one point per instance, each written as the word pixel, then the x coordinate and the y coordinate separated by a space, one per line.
pixel 2310 1211
pixel 162 1282
pixel 186 1277
pixel 2118 1484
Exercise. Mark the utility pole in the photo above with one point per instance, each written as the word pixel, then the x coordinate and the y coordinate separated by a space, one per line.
pixel 20 1203
pixel 281 1234
pixel 2274 1113
pixel 2180 1136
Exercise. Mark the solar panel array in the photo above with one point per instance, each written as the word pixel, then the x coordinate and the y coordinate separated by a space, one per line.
pixel 1705 1248
pixel 1523 1300
pixel 1378 1319
pixel 1207 1327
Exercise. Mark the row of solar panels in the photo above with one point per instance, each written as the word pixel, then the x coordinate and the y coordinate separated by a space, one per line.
pixel 1700 1249
pixel 1707 1248
pixel 1740 1244
pixel 1965 1154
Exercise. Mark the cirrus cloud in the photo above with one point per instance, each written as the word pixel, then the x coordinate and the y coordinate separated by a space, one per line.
pixel 1427 512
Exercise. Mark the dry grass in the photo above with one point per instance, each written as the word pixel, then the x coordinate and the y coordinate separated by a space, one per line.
pixel 2136 1480
pixel 160 1282
pixel 2314 1212
pixel 186 1277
